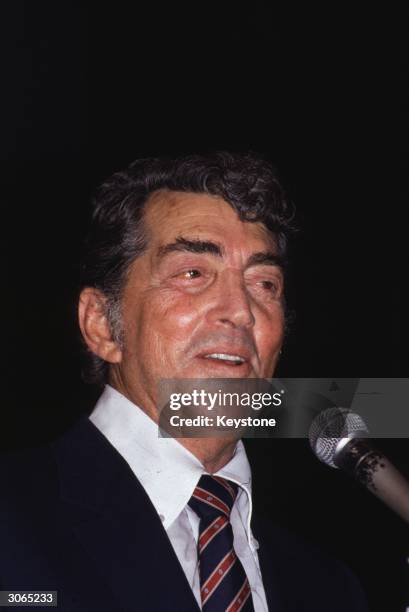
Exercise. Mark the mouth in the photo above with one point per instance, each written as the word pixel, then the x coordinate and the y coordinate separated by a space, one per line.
pixel 226 358
pixel 225 361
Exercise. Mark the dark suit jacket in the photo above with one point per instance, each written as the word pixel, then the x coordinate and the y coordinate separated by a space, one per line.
pixel 74 518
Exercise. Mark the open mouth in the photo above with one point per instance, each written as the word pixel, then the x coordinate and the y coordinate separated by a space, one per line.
pixel 227 359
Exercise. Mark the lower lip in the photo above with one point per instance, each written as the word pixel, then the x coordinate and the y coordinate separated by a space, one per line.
pixel 241 369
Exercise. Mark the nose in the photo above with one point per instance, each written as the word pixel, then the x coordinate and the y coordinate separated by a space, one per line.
pixel 232 304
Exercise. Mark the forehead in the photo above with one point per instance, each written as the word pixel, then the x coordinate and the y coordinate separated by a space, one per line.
pixel 169 214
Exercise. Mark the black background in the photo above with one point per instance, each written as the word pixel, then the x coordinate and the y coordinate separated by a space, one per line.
pixel 86 89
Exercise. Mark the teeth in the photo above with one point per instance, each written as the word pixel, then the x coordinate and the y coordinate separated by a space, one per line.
pixel 225 357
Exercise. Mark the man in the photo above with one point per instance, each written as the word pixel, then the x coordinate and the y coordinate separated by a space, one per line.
pixel 183 278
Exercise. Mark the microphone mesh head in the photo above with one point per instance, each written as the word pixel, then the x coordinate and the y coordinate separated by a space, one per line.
pixel 329 427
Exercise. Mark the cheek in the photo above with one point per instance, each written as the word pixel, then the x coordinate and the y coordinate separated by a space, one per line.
pixel 269 333
pixel 171 316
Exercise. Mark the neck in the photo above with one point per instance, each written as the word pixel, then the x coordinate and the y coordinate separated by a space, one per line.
pixel 213 453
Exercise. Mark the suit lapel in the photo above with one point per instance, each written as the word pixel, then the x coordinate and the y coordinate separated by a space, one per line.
pixel 117 525
pixel 268 558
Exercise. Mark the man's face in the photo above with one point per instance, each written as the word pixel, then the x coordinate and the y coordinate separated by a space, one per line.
pixel 205 299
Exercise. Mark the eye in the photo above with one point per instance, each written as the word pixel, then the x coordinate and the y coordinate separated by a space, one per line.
pixel 188 274
pixel 191 274
pixel 269 285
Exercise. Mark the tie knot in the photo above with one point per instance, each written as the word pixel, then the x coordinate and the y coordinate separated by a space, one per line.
pixel 213 496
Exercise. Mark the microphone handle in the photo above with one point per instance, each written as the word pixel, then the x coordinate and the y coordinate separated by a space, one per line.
pixel 372 469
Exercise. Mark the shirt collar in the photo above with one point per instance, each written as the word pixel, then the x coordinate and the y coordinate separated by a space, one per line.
pixel 166 469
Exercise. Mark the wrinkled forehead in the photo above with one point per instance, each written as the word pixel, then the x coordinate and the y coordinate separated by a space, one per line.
pixel 170 214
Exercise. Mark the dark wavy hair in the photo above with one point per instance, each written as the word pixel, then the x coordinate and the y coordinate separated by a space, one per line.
pixel 117 234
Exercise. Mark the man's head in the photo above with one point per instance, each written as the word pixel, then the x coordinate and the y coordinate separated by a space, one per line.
pixel 183 275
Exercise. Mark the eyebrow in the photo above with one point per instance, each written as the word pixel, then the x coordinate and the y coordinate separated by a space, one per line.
pixel 191 246
pixel 182 244
pixel 266 258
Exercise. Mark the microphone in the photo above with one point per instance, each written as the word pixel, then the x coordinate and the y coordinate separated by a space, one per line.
pixel 338 438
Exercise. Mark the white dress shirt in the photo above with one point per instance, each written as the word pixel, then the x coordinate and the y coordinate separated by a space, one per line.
pixel 169 474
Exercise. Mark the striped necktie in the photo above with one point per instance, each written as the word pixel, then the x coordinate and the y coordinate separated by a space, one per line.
pixel 224 586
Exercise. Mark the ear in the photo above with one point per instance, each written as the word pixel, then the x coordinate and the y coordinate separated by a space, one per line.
pixel 95 327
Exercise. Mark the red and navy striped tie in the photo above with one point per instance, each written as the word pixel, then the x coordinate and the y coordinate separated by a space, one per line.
pixel 224 586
